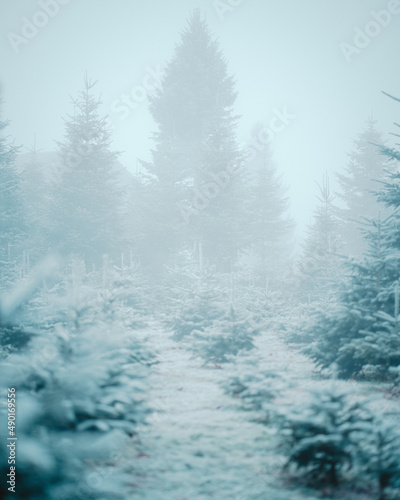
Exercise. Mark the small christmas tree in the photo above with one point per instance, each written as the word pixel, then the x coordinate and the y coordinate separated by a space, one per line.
pixel 255 386
pixel 197 300
pixel 226 337
pixel 383 461
pixel 321 436
pixel 80 384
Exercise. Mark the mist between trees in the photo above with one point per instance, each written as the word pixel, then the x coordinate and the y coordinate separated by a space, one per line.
pixel 197 248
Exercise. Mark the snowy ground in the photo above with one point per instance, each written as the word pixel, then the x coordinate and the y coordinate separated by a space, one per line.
pixel 200 445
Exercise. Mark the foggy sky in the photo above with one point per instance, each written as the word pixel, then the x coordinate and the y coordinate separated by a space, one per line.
pixel 284 54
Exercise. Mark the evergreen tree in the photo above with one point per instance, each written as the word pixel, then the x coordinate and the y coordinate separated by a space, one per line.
pixel 81 383
pixel 195 162
pixel 361 336
pixel 320 261
pixel 12 223
pixel 226 336
pixel 197 299
pixel 36 187
pixel 270 229
pixel 321 435
pixel 355 335
pixel 357 186
pixel 391 152
pixel 384 462
pixel 256 387
pixel 87 211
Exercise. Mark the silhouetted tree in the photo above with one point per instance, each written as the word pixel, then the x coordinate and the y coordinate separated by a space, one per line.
pixel 270 228
pixel 196 194
pixel 12 217
pixel 320 261
pixel 87 210
pixel 357 186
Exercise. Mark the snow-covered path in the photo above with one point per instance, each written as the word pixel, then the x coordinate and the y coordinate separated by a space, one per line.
pixel 200 445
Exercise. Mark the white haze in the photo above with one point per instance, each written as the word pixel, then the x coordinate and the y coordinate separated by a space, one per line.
pixel 283 54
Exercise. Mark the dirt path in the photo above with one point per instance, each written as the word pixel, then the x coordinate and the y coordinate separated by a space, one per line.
pixel 200 445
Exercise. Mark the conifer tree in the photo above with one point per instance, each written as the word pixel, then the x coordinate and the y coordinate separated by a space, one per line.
pixel 87 199
pixel 321 435
pixel 36 191
pixel 79 382
pixel 197 299
pixel 226 336
pixel 361 337
pixel 356 336
pixel 358 183
pixel 12 223
pixel 270 228
pixel 195 160
pixel 320 261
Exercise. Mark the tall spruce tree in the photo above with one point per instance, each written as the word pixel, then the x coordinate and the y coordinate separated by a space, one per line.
pixel 392 153
pixel 87 211
pixel 12 223
pixel 270 228
pixel 195 162
pixel 361 337
pixel 320 261
pixel 355 336
pixel 358 183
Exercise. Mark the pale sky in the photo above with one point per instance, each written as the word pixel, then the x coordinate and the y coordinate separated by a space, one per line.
pixel 284 54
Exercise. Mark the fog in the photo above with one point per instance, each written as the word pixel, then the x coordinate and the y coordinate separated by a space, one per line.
pixel 284 54
pixel 199 249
